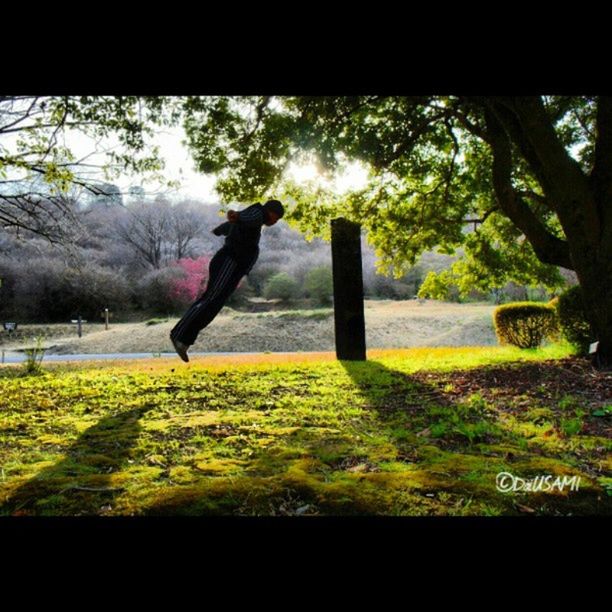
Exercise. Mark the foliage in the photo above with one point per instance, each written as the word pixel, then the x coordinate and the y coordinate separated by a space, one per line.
pixel 46 289
pixel 437 286
pixel 155 291
pixel 155 321
pixel 33 271
pixel 39 174
pixel 281 286
pixel 189 287
pixel 430 168
pixel 319 285
pixel 572 319
pixel 158 232
pixel 524 324
pixel 34 356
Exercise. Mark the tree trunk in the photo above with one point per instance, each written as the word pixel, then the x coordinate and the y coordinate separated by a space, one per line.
pixel 595 278
pixel 580 201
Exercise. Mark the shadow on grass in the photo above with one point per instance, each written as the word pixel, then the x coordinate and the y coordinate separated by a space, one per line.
pixel 80 484
pixel 322 466
pixel 467 439
pixel 412 450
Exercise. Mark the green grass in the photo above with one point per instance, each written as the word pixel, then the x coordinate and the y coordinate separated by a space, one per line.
pixel 295 314
pixel 272 436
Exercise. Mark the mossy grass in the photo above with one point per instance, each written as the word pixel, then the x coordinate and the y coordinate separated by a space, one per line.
pixel 293 435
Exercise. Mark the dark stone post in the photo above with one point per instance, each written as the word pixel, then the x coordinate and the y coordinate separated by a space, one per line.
pixel 348 290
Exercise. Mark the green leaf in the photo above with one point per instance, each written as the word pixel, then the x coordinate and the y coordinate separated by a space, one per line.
pixel 602 412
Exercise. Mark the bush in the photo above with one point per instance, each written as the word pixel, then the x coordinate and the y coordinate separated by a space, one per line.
pixel 48 290
pixel 281 286
pixel 524 324
pixel 156 291
pixel 572 319
pixel 319 285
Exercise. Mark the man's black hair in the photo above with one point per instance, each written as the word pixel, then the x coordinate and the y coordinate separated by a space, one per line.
pixel 275 206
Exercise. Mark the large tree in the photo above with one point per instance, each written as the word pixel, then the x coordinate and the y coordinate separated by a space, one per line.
pixel 522 185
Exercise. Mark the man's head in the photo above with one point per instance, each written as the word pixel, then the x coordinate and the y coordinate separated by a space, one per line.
pixel 273 211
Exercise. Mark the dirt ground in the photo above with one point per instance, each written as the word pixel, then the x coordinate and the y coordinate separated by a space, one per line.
pixel 389 324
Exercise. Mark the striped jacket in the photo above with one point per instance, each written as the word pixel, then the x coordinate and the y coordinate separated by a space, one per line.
pixel 242 236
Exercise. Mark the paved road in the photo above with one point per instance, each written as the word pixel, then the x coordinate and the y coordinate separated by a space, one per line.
pixel 14 357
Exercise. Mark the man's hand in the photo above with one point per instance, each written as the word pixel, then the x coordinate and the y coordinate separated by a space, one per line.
pixel 232 216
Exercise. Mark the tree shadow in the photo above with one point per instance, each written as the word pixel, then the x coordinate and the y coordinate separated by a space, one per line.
pixel 455 449
pixel 280 481
pixel 466 444
pixel 82 479
pixel 401 393
pixel 400 402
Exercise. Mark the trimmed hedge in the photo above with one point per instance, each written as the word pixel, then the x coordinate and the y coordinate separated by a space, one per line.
pixel 525 324
pixel 572 320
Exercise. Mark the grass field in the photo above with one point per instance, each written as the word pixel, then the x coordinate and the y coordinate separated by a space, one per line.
pixel 409 432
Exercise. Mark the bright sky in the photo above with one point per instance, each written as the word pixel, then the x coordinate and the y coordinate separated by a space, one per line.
pixel 179 167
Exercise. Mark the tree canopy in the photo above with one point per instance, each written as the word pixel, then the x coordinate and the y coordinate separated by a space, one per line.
pixel 39 170
pixel 430 161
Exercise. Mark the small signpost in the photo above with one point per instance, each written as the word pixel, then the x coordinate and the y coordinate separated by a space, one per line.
pixel 594 354
pixel 10 327
pixel 105 316
pixel 79 323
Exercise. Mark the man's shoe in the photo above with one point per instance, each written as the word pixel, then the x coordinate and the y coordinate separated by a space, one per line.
pixel 180 348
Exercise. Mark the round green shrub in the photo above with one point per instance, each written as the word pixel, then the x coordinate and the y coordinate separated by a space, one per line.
pixel 281 286
pixel 525 324
pixel 573 321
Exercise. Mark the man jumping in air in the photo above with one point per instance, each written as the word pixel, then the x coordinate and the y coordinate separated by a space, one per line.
pixel 229 264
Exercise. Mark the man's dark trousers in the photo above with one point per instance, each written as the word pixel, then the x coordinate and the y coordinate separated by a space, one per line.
pixel 224 274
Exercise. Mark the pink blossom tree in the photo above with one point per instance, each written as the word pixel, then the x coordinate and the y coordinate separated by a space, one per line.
pixel 193 282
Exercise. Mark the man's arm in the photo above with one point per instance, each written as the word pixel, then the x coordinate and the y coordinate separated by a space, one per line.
pixel 252 216
pixel 223 229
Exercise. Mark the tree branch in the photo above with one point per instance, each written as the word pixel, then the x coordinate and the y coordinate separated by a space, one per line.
pixel 563 180
pixel 548 248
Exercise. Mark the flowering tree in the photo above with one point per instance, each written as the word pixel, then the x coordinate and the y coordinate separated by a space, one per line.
pixel 188 287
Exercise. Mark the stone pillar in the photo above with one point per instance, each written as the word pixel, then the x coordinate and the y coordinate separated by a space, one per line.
pixel 348 290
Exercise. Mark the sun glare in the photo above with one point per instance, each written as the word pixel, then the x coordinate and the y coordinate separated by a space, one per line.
pixel 353 176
